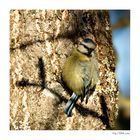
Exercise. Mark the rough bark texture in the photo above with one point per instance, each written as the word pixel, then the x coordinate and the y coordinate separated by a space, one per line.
pixel 40 42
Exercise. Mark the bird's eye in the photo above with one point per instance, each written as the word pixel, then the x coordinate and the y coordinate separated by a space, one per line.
pixel 87 40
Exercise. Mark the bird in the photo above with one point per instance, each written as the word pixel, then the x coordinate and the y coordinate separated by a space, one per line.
pixel 80 72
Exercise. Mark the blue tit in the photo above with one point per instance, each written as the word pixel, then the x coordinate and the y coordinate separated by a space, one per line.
pixel 80 72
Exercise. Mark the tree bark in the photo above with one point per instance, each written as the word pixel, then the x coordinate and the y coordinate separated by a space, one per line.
pixel 40 42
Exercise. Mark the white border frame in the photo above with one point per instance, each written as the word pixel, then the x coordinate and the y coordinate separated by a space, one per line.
pixel 5 8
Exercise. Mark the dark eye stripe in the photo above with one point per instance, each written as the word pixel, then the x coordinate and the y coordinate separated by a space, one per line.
pixel 85 46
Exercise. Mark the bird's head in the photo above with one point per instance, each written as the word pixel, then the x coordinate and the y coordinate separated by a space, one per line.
pixel 87 46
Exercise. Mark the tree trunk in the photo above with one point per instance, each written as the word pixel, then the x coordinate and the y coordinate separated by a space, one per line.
pixel 40 42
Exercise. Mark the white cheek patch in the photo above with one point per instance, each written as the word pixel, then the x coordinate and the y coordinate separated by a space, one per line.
pixel 82 49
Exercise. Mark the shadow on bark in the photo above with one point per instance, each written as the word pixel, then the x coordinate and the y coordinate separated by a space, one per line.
pixel 82 110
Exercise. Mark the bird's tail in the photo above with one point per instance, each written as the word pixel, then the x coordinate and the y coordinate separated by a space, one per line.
pixel 70 104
